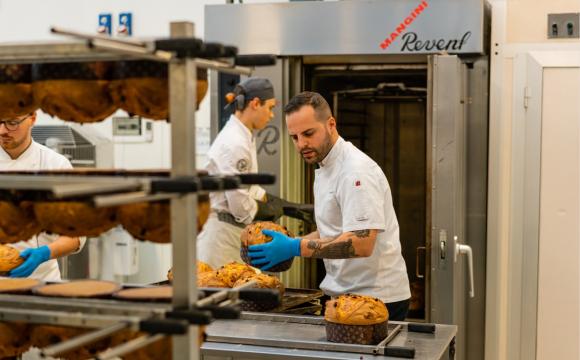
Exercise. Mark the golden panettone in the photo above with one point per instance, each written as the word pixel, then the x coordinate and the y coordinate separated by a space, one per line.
pixel 71 218
pixel 210 279
pixel 45 335
pixel 151 220
pixel 14 339
pixel 17 222
pixel 141 87
pixel 263 281
pixel 356 319
pixel 76 92
pixel 252 235
pixel 160 349
pixel 9 258
pixel 232 272
pixel 201 268
pixel 353 309
pixel 16 91
pixel 146 221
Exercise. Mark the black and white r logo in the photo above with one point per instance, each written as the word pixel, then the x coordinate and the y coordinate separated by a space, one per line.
pixel 270 136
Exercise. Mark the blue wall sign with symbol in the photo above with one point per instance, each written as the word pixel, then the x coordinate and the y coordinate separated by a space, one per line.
pixel 105 24
pixel 125 24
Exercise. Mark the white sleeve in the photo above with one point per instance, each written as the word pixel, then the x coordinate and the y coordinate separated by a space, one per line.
pixel 241 204
pixel 82 241
pixel 361 198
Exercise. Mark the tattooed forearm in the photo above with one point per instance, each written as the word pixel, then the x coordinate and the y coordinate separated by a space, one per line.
pixel 352 244
pixel 332 250
pixel 362 233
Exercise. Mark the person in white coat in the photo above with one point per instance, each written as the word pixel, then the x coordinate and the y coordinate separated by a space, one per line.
pixel 18 151
pixel 357 230
pixel 234 152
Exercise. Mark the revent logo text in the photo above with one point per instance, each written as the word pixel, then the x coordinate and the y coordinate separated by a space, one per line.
pixel 403 25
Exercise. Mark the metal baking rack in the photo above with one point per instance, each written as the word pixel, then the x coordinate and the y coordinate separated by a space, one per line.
pixel 184 54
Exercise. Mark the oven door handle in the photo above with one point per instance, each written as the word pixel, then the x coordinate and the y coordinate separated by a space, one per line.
pixel 462 249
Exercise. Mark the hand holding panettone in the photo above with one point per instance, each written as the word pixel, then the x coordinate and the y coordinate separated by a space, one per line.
pixel 261 233
pixel 9 259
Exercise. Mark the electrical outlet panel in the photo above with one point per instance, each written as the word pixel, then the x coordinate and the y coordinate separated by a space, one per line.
pixel 563 26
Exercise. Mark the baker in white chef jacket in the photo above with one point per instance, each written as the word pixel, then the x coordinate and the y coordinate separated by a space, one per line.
pixel 234 152
pixel 357 230
pixel 18 151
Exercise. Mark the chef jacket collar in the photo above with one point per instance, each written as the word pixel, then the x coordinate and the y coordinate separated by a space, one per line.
pixel 240 124
pixel 333 153
pixel 26 154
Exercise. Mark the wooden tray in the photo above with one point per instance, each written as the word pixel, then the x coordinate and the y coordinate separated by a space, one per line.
pixel 79 289
pixel 157 293
pixel 8 285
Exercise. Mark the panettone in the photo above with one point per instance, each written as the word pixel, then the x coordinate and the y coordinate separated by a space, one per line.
pixel 356 319
pixel 74 91
pixel 263 281
pixel 160 349
pixel 45 335
pixel 70 218
pixel 14 339
pixel 201 268
pixel 210 279
pixel 232 272
pixel 252 235
pixel 16 91
pixel 151 220
pixel 146 221
pixel 141 88
pixel 9 259
pixel 17 222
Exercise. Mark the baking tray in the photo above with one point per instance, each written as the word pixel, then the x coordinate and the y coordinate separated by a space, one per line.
pixel 290 332
pixel 294 297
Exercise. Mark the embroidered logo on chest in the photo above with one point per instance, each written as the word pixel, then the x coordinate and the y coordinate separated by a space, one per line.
pixel 242 165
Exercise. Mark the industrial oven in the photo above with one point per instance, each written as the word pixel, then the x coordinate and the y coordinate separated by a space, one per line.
pixel 408 83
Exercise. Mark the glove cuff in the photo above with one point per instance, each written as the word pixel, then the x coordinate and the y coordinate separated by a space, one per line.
pixel 45 251
pixel 295 249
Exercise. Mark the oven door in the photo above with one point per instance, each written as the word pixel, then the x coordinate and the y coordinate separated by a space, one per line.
pixel 451 259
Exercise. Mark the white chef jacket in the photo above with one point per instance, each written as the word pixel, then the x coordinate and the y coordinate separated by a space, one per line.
pixel 351 193
pixel 38 157
pixel 232 152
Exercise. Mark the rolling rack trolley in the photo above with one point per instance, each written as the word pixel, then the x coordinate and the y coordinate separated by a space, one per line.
pixel 180 320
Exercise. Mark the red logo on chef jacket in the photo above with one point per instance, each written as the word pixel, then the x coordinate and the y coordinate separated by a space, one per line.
pixel 357 183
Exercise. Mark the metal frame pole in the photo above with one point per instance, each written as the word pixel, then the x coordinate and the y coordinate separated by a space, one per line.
pixel 182 106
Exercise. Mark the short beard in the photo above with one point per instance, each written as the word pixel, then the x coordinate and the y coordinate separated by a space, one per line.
pixel 324 149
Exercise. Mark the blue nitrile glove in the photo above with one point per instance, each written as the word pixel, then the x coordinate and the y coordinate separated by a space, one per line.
pixel 32 258
pixel 281 248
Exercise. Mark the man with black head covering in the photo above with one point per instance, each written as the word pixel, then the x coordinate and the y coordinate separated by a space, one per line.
pixel 234 152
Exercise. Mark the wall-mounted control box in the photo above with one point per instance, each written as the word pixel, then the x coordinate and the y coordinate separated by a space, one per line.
pixel 127 126
pixel 563 26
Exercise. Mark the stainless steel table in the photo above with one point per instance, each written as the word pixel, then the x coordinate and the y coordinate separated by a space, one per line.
pixel 269 336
